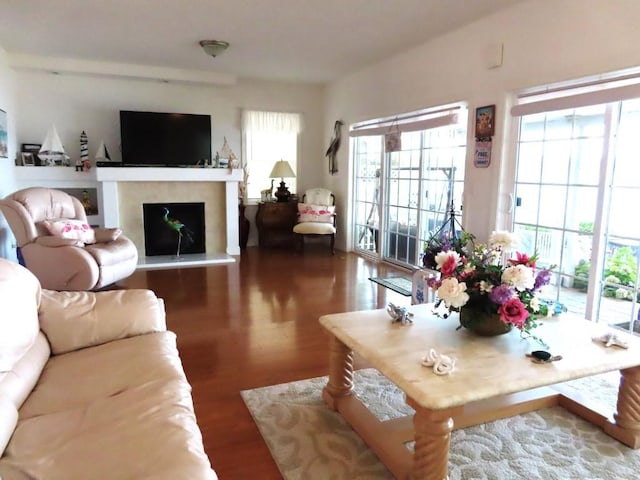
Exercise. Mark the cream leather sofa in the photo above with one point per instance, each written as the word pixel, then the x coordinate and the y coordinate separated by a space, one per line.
pixel 91 387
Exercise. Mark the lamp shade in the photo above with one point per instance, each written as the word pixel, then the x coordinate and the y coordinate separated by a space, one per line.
pixel 282 169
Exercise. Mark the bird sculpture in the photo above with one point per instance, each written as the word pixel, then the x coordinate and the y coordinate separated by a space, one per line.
pixel 332 151
pixel 178 227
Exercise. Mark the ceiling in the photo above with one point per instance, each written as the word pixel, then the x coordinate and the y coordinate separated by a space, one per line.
pixel 284 40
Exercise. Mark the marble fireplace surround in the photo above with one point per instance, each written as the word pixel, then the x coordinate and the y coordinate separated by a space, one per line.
pixel 124 190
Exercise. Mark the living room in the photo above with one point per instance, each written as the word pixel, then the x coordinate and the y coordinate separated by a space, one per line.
pixel 543 42
pixel 34 98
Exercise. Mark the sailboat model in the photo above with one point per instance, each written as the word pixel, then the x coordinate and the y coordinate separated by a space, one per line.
pixel 52 152
pixel 102 155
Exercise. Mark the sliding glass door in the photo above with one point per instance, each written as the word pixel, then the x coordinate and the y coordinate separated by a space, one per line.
pixel 575 192
pixel 402 197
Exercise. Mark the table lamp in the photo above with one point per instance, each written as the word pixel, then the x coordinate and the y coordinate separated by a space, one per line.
pixel 283 170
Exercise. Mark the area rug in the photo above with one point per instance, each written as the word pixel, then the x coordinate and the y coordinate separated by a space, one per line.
pixel 401 285
pixel 310 441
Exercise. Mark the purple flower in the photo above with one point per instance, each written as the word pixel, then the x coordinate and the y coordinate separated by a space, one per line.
pixel 500 294
pixel 543 278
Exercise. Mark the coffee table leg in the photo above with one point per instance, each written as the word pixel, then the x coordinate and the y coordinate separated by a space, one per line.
pixel 340 372
pixel 432 434
pixel 627 421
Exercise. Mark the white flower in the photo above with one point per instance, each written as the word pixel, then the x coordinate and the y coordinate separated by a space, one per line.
pixel 519 276
pixel 453 293
pixel 485 286
pixel 535 304
pixel 503 240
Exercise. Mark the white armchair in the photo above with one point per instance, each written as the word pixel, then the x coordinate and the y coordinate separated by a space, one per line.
pixel 316 217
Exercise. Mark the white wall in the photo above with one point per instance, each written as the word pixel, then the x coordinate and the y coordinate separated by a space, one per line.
pixel 7 184
pixel 544 41
pixel 76 102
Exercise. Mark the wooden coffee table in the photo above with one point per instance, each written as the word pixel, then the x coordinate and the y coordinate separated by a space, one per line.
pixel 493 379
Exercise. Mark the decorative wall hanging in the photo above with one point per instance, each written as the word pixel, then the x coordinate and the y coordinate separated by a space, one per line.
pixel 4 138
pixel 484 131
pixel 482 154
pixel 393 138
pixel 334 146
pixel 485 121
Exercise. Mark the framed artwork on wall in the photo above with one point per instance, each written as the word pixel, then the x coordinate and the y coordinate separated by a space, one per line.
pixel 4 145
pixel 485 121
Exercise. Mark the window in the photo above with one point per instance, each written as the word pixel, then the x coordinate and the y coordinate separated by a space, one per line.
pixel 269 137
pixel 404 196
pixel 576 187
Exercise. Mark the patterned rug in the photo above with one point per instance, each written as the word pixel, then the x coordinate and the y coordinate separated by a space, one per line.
pixel 310 441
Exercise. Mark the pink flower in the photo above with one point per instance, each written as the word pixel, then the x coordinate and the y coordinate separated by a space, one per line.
pixel 513 311
pixel 447 262
pixel 523 259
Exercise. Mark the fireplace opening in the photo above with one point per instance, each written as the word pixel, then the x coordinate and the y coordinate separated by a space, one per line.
pixel 173 228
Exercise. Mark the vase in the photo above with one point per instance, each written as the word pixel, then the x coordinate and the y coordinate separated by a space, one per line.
pixel 244 226
pixel 483 323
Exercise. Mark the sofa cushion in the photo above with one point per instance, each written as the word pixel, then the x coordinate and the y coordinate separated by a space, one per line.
pixel 73 320
pixel 131 415
pixel 314 228
pixel 105 370
pixel 20 292
pixel 71 229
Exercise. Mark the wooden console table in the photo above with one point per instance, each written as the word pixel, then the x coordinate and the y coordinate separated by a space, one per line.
pixel 275 221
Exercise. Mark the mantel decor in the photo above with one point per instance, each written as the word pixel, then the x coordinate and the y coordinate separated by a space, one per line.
pixel 492 291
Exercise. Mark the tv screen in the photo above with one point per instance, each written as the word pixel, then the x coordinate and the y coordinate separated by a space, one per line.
pixel 164 139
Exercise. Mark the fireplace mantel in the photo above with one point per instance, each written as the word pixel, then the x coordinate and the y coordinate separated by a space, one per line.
pixel 151 174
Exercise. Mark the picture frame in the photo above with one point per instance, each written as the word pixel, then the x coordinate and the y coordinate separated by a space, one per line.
pixel 33 148
pixel 27 159
pixel 485 121
pixel 4 137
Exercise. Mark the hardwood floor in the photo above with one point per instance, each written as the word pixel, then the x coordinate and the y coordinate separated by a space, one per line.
pixel 255 323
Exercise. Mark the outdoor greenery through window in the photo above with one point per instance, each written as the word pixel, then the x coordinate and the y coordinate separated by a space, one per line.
pixel 269 137
pixel 576 188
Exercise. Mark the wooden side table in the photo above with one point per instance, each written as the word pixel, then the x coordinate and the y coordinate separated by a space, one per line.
pixel 275 221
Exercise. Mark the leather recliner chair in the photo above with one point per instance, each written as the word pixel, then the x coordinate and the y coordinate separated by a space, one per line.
pixel 99 258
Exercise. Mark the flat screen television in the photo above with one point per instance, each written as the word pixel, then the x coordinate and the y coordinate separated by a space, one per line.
pixel 164 139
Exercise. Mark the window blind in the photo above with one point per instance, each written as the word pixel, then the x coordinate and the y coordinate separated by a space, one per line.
pixel 411 122
pixel 578 95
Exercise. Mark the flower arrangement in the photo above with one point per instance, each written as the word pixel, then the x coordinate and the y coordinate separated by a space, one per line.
pixel 483 277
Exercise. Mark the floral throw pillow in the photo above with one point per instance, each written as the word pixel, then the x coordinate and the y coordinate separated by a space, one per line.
pixel 73 229
pixel 308 212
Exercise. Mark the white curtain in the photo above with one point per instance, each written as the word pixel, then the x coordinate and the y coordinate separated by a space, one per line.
pixel 275 122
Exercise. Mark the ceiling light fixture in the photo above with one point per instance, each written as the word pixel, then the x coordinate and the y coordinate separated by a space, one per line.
pixel 214 47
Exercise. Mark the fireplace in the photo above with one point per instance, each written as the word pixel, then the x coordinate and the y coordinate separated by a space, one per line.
pixel 160 238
